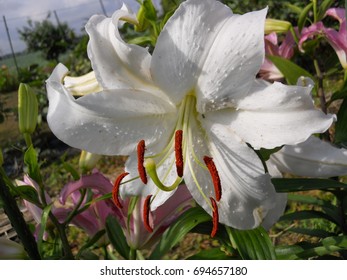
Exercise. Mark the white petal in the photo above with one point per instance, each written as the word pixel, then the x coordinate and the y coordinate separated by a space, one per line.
pixel 184 44
pixel 233 61
pixel 271 116
pixel 107 123
pixel 248 195
pixel 279 205
pixel 312 158
pixel 116 63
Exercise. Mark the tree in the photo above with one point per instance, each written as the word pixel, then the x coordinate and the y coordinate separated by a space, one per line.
pixel 48 38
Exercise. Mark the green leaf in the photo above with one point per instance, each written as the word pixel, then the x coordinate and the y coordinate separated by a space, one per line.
pixel 291 71
pixel 211 254
pixel 293 8
pixel 303 16
pixel 175 233
pixel 149 10
pixel 321 233
pixel 341 124
pixel 307 215
pixel 90 243
pixel 69 168
pixel 327 246
pixel 323 7
pixel 308 200
pixel 117 238
pixel 252 244
pixel 44 219
pixel 142 40
pixel 31 161
pixel 340 94
pixel 306 184
pixel 28 193
pixel 266 153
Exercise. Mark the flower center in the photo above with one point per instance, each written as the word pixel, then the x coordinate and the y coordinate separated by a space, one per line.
pixel 176 153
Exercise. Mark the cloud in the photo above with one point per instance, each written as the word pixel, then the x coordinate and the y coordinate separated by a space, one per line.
pixel 75 13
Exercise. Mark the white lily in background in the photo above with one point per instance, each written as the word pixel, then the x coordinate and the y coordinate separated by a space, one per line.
pixel 196 104
pixel 312 158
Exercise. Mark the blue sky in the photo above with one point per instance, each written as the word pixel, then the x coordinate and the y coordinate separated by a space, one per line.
pixel 75 13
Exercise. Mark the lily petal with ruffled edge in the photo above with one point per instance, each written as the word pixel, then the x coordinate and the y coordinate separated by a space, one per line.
pixel 200 80
pixel 312 158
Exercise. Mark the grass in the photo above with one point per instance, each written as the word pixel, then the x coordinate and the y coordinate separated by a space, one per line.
pixel 23 60
pixel 9 132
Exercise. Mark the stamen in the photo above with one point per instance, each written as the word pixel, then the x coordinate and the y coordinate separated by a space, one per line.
pixel 179 153
pixel 140 159
pixel 215 176
pixel 115 190
pixel 146 211
pixel 215 217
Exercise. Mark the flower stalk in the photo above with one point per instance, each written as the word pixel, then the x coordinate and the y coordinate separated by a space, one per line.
pixel 16 218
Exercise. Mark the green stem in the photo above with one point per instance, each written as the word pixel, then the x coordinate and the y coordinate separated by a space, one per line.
pixel 27 138
pixel 341 195
pixel 314 10
pixel 75 210
pixel 62 234
pixel 132 254
pixel 17 221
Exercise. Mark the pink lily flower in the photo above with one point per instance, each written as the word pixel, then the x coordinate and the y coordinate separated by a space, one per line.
pixel 268 70
pixel 337 39
pixel 90 220
pixel 160 219
pixel 93 219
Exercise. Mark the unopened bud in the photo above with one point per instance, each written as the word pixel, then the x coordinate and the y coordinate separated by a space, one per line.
pixel 88 160
pixel 278 26
pixel 27 109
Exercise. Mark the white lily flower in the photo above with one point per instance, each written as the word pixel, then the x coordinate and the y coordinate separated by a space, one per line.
pixel 312 158
pixel 198 89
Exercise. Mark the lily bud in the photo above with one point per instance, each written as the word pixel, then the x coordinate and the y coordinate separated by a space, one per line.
pixel 27 109
pixel 278 26
pixel 88 160
pixel 10 250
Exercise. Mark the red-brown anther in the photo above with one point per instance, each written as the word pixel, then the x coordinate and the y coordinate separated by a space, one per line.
pixel 115 190
pixel 179 153
pixel 146 211
pixel 215 217
pixel 140 159
pixel 215 176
